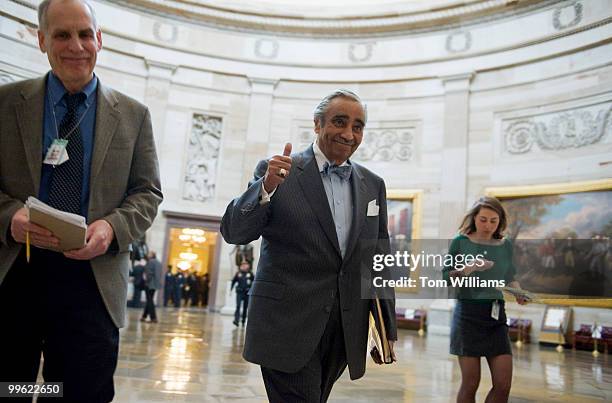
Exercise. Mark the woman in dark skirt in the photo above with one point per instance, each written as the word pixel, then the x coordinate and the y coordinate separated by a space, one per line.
pixel 479 326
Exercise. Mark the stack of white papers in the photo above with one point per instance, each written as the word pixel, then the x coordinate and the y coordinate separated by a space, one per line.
pixel 69 228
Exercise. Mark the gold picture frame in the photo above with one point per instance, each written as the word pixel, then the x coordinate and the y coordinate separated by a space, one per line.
pixel 413 197
pixel 515 192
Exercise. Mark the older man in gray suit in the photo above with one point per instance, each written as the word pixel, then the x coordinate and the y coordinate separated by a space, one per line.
pixel 110 176
pixel 322 218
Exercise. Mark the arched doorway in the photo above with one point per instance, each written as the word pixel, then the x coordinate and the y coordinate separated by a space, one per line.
pixel 191 251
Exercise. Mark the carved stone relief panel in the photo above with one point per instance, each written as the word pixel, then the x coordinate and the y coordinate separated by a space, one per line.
pixel 302 134
pixel 559 130
pixel 202 157
pixel 305 137
pixel 382 141
pixel 388 143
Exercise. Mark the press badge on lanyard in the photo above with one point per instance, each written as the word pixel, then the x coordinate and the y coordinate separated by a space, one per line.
pixel 495 310
pixel 57 153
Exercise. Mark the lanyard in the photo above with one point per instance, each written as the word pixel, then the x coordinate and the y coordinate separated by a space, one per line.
pixel 55 118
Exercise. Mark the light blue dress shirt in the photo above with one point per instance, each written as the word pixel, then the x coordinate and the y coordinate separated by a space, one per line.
pixel 339 197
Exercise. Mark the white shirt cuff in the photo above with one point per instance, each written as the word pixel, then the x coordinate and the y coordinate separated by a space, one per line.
pixel 265 196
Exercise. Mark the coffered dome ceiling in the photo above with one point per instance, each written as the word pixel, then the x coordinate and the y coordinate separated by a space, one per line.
pixel 335 17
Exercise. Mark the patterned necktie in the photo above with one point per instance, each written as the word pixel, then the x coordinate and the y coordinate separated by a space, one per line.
pixel 67 178
pixel 344 172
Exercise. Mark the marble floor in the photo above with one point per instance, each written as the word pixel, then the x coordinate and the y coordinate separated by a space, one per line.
pixel 195 356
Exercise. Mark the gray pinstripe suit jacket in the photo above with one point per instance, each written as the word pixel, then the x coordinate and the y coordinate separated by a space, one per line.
pixel 301 270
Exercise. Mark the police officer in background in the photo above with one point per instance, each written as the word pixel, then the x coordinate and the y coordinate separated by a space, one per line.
pixel 242 280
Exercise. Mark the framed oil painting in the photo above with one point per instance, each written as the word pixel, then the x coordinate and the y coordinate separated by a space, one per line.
pixel 404 217
pixel 562 240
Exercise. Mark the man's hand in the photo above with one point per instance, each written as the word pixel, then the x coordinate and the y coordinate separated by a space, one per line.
pixel 279 167
pixel 99 236
pixel 39 236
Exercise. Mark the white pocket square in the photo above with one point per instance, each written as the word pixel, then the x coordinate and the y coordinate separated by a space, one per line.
pixel 372 208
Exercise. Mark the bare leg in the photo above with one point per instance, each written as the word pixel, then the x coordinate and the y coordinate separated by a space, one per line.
pixel 501 374
pixel 470 379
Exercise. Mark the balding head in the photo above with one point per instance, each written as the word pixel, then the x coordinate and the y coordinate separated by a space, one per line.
pixel 43 9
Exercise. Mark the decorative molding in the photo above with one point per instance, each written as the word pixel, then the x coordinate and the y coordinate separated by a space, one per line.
pixel 387 144
pixel 260 85
pixel 458 42
pixel 559 14
pixel 560 130
pixel 6 78
pixel 360 52
pixel 165 32
pixel 550 188
pixel 375 20
pixel 266 48
pixel 160 70
pixel 202 157
pixel 457 82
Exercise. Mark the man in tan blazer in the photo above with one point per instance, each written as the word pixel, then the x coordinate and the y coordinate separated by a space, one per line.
pixel 76 299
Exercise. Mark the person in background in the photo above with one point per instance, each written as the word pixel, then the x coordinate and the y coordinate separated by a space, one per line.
pixel 138 282
pixel 194 286
pixel 187 287
pixel 243 279
pixel 153 271
pixel 169 285
pixel 179 283
pixel 479 326
pixel 204 289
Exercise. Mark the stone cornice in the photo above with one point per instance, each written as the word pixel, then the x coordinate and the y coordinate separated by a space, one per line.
pixel 425 18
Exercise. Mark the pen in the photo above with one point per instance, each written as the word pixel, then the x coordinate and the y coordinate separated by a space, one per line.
pixel 28 246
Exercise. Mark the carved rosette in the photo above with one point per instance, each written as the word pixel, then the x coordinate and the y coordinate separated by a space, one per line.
pixel 266 48
pixel 202 157
pixel 458 42
pixel 360 52
pixel 520 136
pixel 561 14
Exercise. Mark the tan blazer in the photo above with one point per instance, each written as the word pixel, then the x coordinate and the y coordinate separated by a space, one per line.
pixel 125 188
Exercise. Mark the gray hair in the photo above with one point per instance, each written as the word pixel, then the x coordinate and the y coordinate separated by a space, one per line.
pixel 321 109
pixel 43 7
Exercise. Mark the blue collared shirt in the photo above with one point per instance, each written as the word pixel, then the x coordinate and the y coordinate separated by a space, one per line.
pixel 54 98
pixel 339 197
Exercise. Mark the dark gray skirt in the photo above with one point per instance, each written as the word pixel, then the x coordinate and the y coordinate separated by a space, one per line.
pixel 474 333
